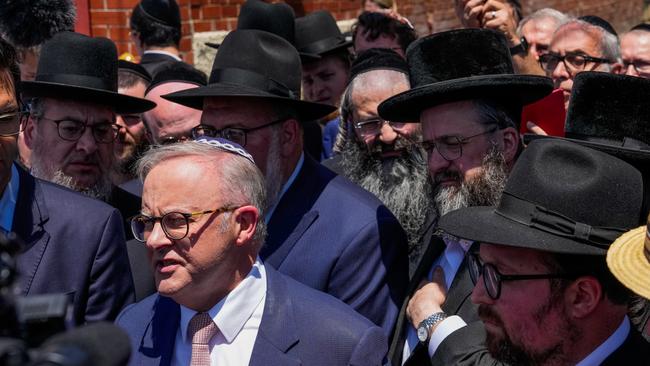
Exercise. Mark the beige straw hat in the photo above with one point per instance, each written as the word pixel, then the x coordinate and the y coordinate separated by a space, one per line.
pixel 629 260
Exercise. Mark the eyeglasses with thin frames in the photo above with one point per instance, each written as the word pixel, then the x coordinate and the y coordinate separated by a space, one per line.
pixel 492 278
pixel 573 62
pixel 372 127
pixel 451 147
pixel 71 130
pixel 175 224
pixel 10 123
pixel 236 135
pixel 641 67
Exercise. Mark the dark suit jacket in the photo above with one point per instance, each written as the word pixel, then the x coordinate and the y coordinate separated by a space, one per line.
pixel 153 61
pixel 458 303
pixel 332 235
pixel 300 326
pixel 74 245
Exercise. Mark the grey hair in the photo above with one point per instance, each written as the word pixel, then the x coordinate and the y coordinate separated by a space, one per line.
pixel 36 107
pixel 609 44
pixel 241 181
pixel 368 79
pixel 546 13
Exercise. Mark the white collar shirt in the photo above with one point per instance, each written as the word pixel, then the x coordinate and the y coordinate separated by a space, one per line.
pixel 238 317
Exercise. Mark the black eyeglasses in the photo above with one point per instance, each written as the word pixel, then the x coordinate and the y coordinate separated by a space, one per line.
pixel 175 225
pixel 451 147
pixel 168 140
pixel 372 127
pixel 641 67
pixel 10 123
pixel 492 278
pixel 236 135
pixel 71 130
pixel 573 62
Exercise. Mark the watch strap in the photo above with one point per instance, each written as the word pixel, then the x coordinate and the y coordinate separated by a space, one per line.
pixel 432 320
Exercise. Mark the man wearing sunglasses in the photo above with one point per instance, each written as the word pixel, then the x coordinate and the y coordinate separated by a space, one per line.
pixel 579 46
pixel 469 115
pixel 73 245
pixel 72 123
pixel 542 286
pixel 323 230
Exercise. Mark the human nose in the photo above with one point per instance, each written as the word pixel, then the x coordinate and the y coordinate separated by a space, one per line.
pixel 479 293
pixel 387 134
pixel 560 71
pixel 436 162
pixel 157 238
pixel 630 70
pixel 87 142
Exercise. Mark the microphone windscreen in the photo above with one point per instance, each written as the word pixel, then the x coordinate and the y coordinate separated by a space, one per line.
pixel 105 344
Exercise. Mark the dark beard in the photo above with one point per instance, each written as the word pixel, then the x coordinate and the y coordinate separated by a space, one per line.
pixel 402 184
pixel 482 190
pixel 126 167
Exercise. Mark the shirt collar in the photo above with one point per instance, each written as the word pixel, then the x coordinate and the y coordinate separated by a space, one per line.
pixel 285 187
pixel 158 52
pixel 8 200
pixel 609 346
pixel 233 311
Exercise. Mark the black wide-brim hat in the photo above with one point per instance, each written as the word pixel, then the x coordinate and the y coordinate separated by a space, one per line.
pixel 560 197
pixel 82 68
pixel 461 65
pixel 258 65
pixel 609 113
pixel 317 35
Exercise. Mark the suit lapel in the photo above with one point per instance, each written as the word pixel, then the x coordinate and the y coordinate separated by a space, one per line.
pixel 30 218
pixel 459 291
pixel 435 248
pixel 157 345
pixel 278 332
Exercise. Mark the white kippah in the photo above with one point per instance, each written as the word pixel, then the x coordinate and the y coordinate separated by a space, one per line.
pixel 226 145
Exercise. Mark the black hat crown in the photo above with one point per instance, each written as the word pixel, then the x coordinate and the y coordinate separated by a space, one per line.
pixel 459 65
pixel 274 18
pixel 560 197
pixel 317 33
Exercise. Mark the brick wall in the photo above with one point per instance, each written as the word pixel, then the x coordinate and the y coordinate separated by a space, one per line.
pixel 110 18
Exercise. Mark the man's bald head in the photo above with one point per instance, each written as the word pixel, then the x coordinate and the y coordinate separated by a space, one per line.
pixel 169 119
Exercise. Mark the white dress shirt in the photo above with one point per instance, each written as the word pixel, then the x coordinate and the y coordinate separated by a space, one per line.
pixel 608 347
pixel 449 261
pixel 238 317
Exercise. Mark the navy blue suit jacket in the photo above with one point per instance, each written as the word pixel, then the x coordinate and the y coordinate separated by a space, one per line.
pixel 300 326
pixel 334 236
pixel 73 245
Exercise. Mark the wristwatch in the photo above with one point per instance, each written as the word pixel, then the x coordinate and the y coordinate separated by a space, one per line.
pixel 521 48
pixel 424 329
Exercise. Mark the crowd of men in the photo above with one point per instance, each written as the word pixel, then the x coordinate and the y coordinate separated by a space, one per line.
pixel 477 196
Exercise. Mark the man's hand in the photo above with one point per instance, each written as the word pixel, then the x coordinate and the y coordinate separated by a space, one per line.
pixel 534 128
pixel 428 298
pixel 470 12
pixel 500 16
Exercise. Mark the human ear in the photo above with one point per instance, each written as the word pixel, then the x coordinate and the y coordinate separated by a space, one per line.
pixel 583 296
pixel 245 219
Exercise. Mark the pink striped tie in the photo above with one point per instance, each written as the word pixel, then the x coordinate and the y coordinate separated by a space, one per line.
pixel 201 329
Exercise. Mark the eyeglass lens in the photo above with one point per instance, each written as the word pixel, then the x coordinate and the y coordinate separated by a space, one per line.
pixel 174 224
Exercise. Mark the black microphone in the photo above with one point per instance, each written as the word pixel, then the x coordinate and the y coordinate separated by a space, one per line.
pixel 97 344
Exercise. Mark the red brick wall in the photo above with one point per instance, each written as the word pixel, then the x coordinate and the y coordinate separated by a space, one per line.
pixel 110 18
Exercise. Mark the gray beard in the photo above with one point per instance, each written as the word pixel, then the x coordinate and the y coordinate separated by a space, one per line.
pixel 483 190
pixel 402 184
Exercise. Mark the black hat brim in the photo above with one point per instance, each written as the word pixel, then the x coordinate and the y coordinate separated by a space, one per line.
pixel 407 106
pixel 635 157
pixel 193 98
pixel 120 103
pixel 483 224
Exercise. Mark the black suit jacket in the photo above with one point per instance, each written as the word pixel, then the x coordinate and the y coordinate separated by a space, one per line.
pixel 153 61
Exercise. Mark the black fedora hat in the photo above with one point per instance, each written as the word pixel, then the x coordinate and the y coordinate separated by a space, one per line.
pixel 610 113
pixel 459 65
pixel 317 34
pixel 79 67
pixel 560 197
pixel 255 64
pixel 274 18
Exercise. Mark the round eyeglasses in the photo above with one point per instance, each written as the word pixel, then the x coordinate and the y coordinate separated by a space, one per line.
pixel 492 278
pixel 451 147
pixel 175 225
pixel 71 130
pixel 641 67
pixel 236 135
pixel 372 127
pixel 573 62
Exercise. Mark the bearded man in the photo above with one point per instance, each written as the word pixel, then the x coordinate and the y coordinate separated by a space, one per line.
pixel 470 115
pixel 384 157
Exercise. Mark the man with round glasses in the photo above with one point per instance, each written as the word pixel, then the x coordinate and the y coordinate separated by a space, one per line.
pixel 324 230
pixel 544 293
pixel 71 127
pixel 579 46
pixel 470 116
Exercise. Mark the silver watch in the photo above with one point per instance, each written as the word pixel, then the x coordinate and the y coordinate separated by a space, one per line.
pixel 424 329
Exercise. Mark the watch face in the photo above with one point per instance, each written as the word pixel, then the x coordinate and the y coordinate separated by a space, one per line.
pixel 423 334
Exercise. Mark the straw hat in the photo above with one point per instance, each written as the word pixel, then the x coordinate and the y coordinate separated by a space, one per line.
pixel 629 260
